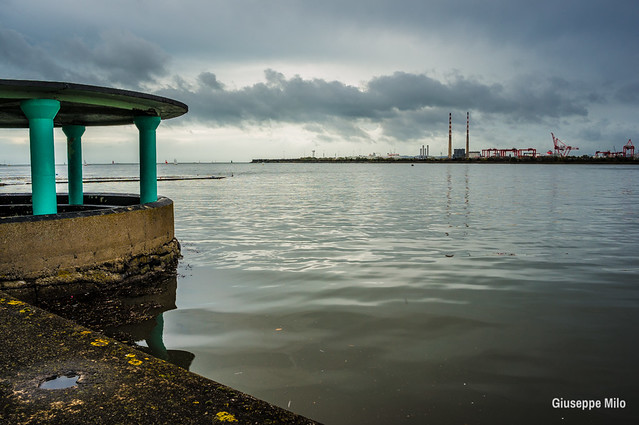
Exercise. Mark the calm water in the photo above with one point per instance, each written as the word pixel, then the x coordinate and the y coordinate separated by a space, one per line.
pixel 392 294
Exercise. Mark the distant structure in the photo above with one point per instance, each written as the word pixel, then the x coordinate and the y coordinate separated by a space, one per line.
pixel 450 135
pixel 562 149
pixel 467 134
pixel 628 151
pixel 459 153
pixel 504 153
pixel 629 148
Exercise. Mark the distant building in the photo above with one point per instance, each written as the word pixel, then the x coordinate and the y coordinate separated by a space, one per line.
pixel 459 153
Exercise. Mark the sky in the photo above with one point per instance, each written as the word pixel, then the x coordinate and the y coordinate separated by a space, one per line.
pixel 284 78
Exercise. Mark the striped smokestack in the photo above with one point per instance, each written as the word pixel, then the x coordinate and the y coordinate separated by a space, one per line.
pixel 450 135
pixel 467 135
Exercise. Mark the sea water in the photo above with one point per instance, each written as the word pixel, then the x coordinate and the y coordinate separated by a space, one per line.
pixel 390 293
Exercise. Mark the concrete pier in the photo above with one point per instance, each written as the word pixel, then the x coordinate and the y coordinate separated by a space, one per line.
pixel 116 384
pixel 106 240
pixel 52 370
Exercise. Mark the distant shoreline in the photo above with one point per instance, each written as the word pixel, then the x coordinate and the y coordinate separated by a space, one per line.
pixel 431 160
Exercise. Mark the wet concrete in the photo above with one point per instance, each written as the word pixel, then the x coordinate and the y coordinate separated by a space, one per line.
pixel 117 384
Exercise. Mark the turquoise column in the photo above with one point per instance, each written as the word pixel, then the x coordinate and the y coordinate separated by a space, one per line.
pixel 74 157
pixel 40 113
pixel 148 160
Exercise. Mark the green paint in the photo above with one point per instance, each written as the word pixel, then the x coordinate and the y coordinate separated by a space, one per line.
pixel 155 339
pixel 40 113
pixel 74 156
pixel 148 163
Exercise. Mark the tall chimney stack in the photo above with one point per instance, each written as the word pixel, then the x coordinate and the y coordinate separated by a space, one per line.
pixel 467 135
pixel 450 135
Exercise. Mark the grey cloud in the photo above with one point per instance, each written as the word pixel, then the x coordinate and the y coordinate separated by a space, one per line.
pixel 405 105
pixel 629 93
pixel 127 58
pixel 210 80
pixel 117 58
pixel 25 60
pixel 562 34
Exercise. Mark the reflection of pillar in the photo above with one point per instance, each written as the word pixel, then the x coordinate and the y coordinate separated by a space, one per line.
pixel 40 113
pixel 74 156
pixel 155 342
pixel 148 167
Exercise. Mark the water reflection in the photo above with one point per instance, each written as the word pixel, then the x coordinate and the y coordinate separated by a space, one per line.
pixel 132 314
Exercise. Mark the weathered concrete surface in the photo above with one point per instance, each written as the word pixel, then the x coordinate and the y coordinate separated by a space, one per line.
pixel 101 246
pixel 117 384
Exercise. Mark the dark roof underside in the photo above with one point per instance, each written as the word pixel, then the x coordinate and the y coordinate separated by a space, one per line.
pixel 82 104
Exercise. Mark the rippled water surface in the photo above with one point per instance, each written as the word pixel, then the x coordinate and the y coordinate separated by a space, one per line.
pixel 391 293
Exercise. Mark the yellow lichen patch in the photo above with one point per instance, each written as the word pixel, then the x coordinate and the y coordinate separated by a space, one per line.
pixel 85 332
pixel 133 360
pixel 15 302
pixel 225 417
pixel 100 342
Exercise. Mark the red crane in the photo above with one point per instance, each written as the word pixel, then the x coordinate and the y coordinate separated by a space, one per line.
pixel 562 149
pixel 629 148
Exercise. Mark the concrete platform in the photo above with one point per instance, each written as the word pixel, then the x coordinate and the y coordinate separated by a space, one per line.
pixel 109 239
pixel 116 384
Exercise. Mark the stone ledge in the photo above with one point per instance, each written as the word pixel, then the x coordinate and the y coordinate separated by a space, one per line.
pixel 117 384
pixel 120 270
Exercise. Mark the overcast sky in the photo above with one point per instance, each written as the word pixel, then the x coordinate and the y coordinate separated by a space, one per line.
pixel 273 78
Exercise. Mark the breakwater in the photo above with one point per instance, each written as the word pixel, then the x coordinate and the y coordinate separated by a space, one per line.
pixel 432 160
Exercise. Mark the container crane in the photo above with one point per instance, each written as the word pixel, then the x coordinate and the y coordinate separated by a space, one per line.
pixel 562 149
pixel 629 147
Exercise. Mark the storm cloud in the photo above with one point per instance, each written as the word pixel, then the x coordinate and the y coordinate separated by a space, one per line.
pixel 362 70
pixel 116 58
pixel 406 105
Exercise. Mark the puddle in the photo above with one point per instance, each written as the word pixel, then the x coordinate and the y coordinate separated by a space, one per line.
pixel 60 382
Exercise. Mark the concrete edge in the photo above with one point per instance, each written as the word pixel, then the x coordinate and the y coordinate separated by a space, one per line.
pixel 117 383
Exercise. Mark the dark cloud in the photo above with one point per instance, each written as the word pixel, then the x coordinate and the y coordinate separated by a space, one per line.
pixel 118 58
pixel 567 35
pixel 209 80
pixel 405 105
pixel 125 58
pixel 22 59
pixel 513 64
pixel 629 93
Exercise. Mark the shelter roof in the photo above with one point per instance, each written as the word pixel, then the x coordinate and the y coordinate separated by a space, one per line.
pixel 82 104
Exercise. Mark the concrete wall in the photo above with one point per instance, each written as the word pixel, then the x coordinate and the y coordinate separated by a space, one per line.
pixel 100 246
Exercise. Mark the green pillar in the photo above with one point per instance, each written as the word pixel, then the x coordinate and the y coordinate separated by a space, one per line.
pixel 74 157
pixel 40 113
pixel 148 162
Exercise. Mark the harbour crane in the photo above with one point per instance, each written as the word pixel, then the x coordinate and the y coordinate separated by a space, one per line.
pixel 629 147
pixel 562 149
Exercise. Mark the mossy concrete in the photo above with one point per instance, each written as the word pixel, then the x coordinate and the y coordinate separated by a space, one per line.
pixel 117 384
pixel 101 246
